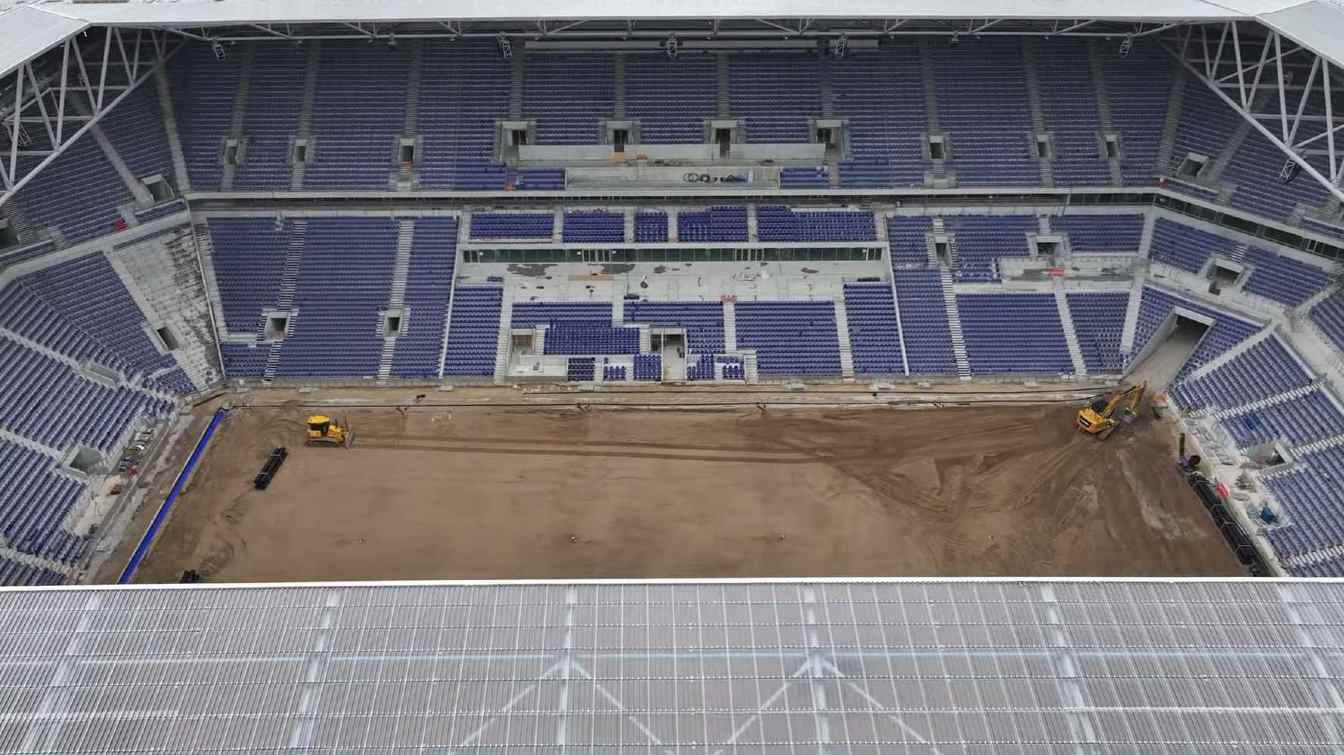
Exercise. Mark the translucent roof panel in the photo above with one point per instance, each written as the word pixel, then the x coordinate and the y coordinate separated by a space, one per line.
pixel 833 666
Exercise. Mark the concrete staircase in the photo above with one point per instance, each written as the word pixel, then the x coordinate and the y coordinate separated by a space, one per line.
pixel 504 346
pixel 182 179
pixel 1316 298
pixel 396 296
pixel 723 102
pixel 753 224
pixel 1070 335
pixel 1103 97
pixel 206 249
pixel 519 72
pixel 618 86
pixel 1132 316
pixel 842 332
pixel 1034 100
pixel 1230 354
pixel 305 127
pixel 617 307
pixel 749 368
pixel 954 325
pixel 289 274
pixel 1238 252
pixel 239 110
pixel 1175 100
pixel 29 559
pixel 645 340
pixel 730 325
pixel 29 443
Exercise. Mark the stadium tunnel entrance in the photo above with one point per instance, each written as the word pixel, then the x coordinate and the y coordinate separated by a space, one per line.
pixel 1169 349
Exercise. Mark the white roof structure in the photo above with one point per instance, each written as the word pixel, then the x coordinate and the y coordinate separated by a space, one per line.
pixel 40 26
pixel 928 666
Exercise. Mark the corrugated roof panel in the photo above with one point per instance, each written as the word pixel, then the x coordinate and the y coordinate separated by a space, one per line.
pixel 886 665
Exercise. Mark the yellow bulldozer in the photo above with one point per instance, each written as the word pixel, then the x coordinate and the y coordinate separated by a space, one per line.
pixel 328 431
pixel 1102 416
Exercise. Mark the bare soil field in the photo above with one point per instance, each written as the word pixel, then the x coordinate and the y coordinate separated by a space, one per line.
pixel 592 492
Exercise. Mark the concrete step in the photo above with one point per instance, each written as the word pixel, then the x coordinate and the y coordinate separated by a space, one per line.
pixel 842 332
pixel 504 345
pixel 305 126
pixel 1175 101
pixel 289 274
pixel 729 325
pixel 954 325
pixel 1070 335
pixel 182 179
pixel 1264 403
pixel 400 271
pixel 1103 97
pixel 1132 315
pixel 749 366
pixel 273 361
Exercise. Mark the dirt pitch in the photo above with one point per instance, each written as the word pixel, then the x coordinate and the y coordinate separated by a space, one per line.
pixel 565 492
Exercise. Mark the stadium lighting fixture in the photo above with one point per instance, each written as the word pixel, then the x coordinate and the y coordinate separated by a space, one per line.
pixel 218 50
pixel 505 48
pixel 1126 45
pixel 671 46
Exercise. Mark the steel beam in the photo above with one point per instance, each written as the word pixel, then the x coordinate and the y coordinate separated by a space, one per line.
pixel 140 53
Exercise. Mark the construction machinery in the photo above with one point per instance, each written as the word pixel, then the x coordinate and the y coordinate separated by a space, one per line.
pixel 1103 415
pixel 328 431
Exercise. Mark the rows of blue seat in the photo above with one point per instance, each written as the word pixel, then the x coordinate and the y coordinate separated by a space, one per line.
pixel 1313 502
pixel 1069 108
pixel 28 315
pixel 648 367
pixel 359 110
pixel 1227 329
pixel 44 399
pixel 971 82
pixel 1298 420
pixel 613 372
pixel 790 337
pixel 428 282
pixel 1185 247
pixel 512 225
pixel 473 331
pixel 581 369
pixel 775 94
pixel 594 227
pixel 881 94
pixel 924 329
pixel 590 337
pixel 248 255
pixel 138 135
pixel 774 223
pixel 464 93
pixel 528 314
pixel 909 244
pixel 17 574
pixel 874 333
pixel 650 227
pixel 1101 233
pixel 34 502
pixel 713 224
pixel 343 284
pixel 669 97
pixel 983 239
pixel 271 117
pixel 90 294
pixel 1264 370
pixel 204 88
pixel 243 360
pixel 703 321
pixel 1282 278
pixel 1013 333
pixel 569 96
pixel 1329 315
pixel 1099 323
pixel 360 98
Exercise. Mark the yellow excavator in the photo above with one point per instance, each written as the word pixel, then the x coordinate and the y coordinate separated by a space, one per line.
pixel 327 431
pixel 1102 416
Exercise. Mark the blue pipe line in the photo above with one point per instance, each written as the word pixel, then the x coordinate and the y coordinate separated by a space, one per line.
pixel 153 531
